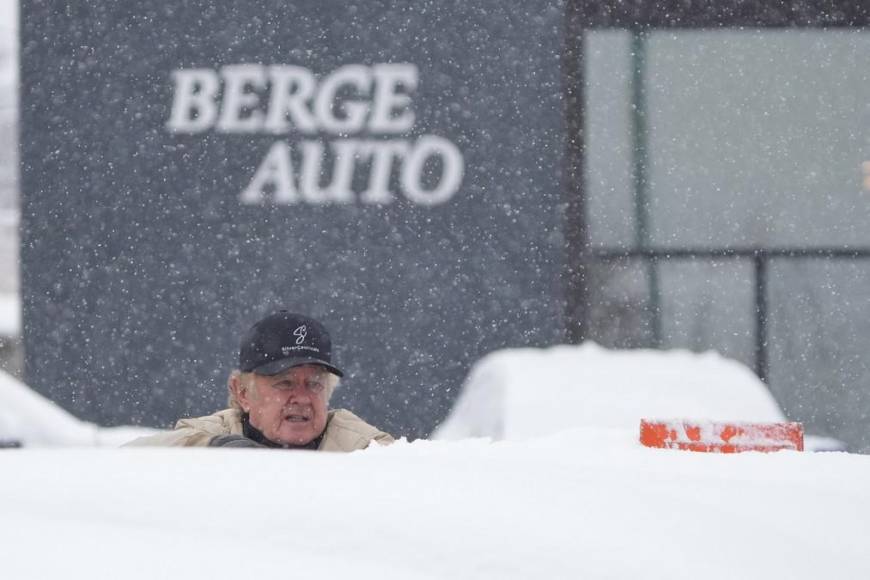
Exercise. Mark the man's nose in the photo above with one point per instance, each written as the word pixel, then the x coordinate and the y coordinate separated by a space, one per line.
pixel 298 393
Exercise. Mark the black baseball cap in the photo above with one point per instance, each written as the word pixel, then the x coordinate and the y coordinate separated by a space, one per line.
pixel 285 340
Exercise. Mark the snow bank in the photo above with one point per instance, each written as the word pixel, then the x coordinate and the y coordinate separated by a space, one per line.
pixel 30 418
pixel 27 416
pixel 521 393
pixel 587 503
pixel 584 502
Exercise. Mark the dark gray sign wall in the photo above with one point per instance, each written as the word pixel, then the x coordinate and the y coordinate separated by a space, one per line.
pixel 394 171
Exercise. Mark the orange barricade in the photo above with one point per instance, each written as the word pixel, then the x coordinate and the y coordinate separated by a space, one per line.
pixel 719 437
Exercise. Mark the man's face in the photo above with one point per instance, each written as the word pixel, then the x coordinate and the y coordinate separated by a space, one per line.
pixel 289 408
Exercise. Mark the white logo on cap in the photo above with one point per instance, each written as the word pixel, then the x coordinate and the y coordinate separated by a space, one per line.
pixel 300 333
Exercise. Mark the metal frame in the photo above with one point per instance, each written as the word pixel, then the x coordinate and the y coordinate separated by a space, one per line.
pixel 760 257
pixel 641 17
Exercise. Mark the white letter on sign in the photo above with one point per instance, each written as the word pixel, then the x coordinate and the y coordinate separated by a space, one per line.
pixel 354 75
pixel 388 78
pixel 338 191
pixel 292 88
pixel 382 154
pixel 237 78
pixel 276 171
pixel 452 167
pixel 193 106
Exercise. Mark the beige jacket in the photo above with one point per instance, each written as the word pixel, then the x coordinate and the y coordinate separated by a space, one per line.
pixel 344 432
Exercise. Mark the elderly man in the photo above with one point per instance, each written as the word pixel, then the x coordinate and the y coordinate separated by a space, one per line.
pixel 279 396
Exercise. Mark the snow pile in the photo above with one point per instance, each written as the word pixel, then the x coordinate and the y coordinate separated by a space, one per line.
pixel 583 502
pixel 586 503
pixel 28 417
pixel 520 393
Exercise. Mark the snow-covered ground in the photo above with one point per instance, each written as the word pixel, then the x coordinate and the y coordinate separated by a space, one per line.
pixel 551 500
pixel 585 503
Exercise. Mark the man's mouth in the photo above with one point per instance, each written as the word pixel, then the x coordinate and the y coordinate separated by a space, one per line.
pixel 296 418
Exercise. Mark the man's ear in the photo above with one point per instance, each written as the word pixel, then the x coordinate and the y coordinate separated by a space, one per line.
pixel 238 391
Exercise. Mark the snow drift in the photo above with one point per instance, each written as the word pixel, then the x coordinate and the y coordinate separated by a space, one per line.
pixel 520 393
pixel 586 503
pixel 31 419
